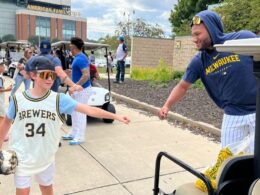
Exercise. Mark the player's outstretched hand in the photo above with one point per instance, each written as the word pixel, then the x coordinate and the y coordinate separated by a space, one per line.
pixel 163 112
pixel 123 119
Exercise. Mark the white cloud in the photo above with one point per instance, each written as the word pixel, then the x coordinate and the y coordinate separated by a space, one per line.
pixel 103 15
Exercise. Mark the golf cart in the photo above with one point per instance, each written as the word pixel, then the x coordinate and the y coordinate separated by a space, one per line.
pixel 100 96
pixel 13 53
pixel 238 175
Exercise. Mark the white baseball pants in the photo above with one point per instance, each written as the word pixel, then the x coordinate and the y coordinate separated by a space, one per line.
pixel 79 120
pixel 235 128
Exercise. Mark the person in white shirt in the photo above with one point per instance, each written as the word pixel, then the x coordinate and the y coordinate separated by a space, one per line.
pixel 121 55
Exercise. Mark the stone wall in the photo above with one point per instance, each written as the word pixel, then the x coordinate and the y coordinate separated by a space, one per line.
pixel 149 51
pixel 176 53
pixel 184 50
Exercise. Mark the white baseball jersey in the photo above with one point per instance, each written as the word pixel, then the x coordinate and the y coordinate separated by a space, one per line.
pixel 35 133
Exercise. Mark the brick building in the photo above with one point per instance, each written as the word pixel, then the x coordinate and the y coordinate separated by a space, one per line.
pixel 44 18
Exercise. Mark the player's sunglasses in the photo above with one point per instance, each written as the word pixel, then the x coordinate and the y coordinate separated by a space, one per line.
pixel 46 74
pixel 196 20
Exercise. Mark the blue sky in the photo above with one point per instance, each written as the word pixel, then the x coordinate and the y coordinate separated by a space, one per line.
pixel 103 15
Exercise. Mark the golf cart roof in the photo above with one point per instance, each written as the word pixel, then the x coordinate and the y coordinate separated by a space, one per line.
pixel 87 45
pixel 21 44
pixel 249 47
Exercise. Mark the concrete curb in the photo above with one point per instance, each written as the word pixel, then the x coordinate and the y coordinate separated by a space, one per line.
pixel 171 115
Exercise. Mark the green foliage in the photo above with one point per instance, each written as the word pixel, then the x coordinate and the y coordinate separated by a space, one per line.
pixel 34 40
pixel 182 14
pixel 163 73
pixel 198 84
pixel 110 40
pixel 8 37
pixel 160 75
pixel 54 40
pixel 240 15
pixel 177 75
pixel 142 73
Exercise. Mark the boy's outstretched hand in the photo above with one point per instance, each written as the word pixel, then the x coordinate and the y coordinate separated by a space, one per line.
pixel 123 119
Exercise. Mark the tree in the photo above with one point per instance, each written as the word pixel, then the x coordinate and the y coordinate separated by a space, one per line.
pixel 240 14
pixel 34 40
pixel 8 37
pixel 54 40
pixel 139 28
pixel 183 12
pixel 110 40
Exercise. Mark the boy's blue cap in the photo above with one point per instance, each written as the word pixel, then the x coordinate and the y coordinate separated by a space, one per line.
pixel 39 63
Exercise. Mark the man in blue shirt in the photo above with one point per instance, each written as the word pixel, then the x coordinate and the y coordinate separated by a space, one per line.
pixel 80 76
pixel 227 77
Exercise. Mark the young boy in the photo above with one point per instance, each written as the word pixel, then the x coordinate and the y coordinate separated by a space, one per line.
pixel 2 95
pixel 36 117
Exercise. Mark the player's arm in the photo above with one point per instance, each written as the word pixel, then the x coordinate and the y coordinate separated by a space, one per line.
pixel 177 93
pixel 65 78
pixel 9 88
pixel 99 113
pixel 85 76
pixel 4 128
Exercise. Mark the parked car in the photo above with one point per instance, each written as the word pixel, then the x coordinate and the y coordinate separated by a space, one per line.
pixel 100 63
pixel 128 61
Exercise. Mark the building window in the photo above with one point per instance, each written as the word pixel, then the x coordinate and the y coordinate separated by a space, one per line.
pixel 68 29
pixel 43 27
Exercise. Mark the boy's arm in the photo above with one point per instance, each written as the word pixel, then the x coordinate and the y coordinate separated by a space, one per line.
pixel 99 113
pixel 4 128
pixel 9 88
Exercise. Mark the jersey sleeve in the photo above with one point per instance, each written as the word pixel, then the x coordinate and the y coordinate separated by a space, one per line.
pixel 1 82
pixel 125 49
pixel 57 61
pixel 11 110
pixel 66 104
pixel 193 71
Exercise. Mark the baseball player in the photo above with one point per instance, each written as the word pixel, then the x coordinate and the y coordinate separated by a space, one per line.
pixel 35 119
pixel 80 76
pixel 227 77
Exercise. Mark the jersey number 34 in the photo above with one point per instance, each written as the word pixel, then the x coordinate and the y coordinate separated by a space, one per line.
pixel 32 130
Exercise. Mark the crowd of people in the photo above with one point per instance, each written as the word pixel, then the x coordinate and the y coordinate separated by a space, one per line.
pixel 35 115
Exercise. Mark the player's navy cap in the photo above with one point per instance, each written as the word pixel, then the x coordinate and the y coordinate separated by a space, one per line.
pixel 39 63
pixel 45 46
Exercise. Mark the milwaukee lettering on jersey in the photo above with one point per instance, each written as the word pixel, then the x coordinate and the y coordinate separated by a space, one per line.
pixel 221 62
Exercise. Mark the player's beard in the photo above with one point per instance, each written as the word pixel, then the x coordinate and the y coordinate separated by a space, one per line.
pixel 206 44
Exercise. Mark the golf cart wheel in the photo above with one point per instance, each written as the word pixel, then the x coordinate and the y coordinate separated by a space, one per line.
pixel 110 108
pixel 68 120
pixel 11 72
